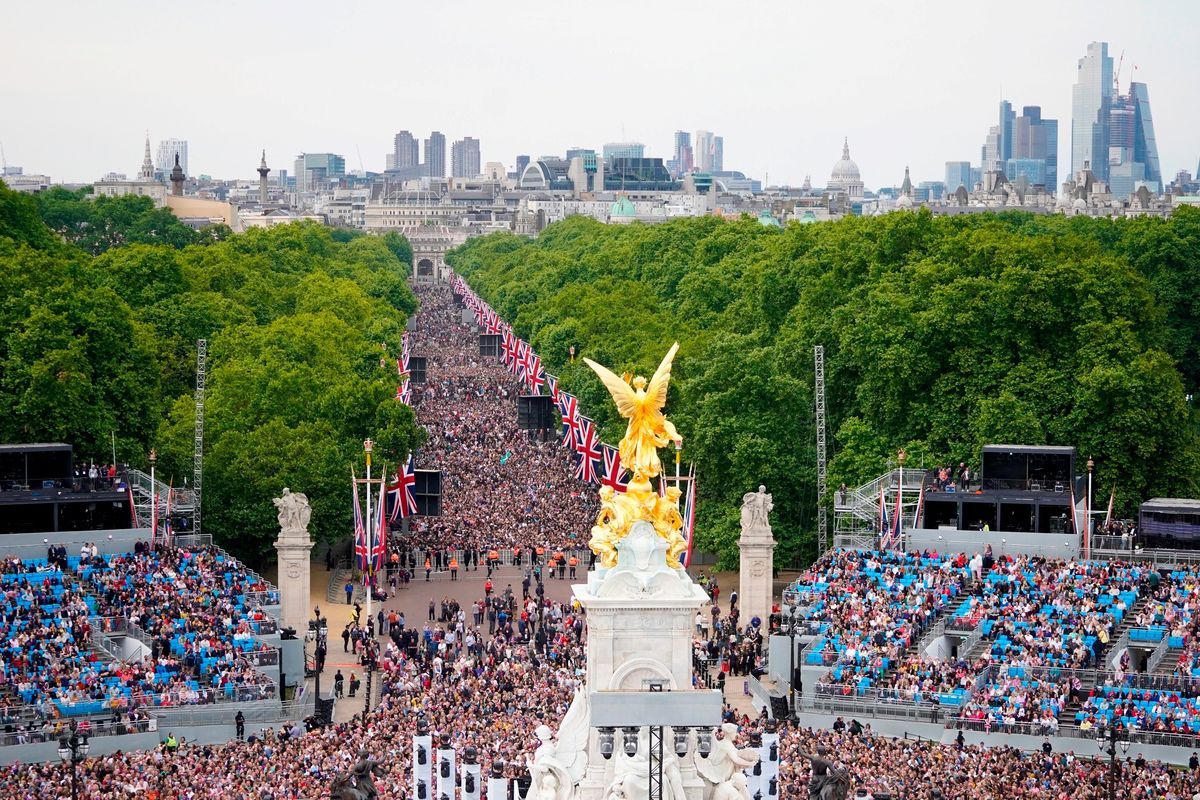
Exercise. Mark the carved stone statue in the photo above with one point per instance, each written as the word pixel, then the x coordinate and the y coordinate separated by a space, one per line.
pixel 723 767
pixel 755 508
pixel 830 780
pixel 631 774
pixel 294 510
pixel 565 760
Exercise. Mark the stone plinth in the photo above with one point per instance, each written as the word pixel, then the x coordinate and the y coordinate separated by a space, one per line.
pixel 294 547
pixel 641 618
pixel 756 549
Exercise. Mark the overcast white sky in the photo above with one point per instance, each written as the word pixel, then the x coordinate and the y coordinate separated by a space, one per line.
pixel 909 81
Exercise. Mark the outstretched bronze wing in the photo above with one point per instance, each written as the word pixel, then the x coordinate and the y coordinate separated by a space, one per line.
pixel 656 392
pixel 622 393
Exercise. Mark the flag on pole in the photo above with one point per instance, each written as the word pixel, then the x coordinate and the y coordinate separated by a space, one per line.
pixel 552 383
pixel 897 521
pixel 404 392
pixel 569 407
pixel 613 474
pixel 360 531
pixel 401 493
pixel 153 515
pixel 167 532
pixel 379 542
pixel 536 376
pixel 1108 517
pixel 402 362
pixel 688 513
pixel 588 450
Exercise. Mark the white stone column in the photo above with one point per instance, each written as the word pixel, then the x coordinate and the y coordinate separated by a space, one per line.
pixel 294 547
pixel 757 553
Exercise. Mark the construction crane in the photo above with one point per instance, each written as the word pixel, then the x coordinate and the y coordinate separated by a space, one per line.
pixel 1117 74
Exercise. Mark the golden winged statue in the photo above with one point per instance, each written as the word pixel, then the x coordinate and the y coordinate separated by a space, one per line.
pixel 648 430
pixel 642 405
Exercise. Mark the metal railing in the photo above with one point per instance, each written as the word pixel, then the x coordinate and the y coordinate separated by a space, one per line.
pixel 1160 652
pixel 52 733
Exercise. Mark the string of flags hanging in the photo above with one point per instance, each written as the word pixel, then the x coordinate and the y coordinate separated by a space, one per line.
pixel 596 462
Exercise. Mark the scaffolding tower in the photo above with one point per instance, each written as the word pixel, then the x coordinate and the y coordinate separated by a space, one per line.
pixel 198 457
pixel 819 393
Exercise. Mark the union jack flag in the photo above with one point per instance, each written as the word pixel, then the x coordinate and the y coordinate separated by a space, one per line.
pixel 552 382
pixel 688 512
pixel 536 375
pixel 402 501
pixel 521 365
pixel 379 540
pixel 360 530
pixel 402 362
pixel 588 450
pixel 404 393
pixel 614 474
pixel 568 406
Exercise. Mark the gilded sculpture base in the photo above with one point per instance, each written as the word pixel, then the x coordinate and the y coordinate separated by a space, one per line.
pixel 619 511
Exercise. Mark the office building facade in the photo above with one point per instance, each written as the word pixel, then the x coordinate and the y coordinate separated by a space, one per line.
pixel 167 150
pixel 624 150
pixel 1091 102
pixel 318 171
pixel 406 151
pixel 683 161
pixel 464 158
pixel 958 173
pixel 435 155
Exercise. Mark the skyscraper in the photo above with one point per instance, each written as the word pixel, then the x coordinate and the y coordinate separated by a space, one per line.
pixel 406 151
pixel 703 151
pixel 167 150
pixel 435 155
pixel 522 163
pixel 1007 120
pixel 1091 101
pixel 683 153
pixel 1132 150
pixel 464 158
pixel 318 170
pixel 1035 138
pixel 958 173
pixel 718 154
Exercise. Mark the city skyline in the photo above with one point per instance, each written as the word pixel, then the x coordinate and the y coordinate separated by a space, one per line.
pixel 783 114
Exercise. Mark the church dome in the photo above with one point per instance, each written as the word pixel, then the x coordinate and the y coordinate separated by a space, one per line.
pixel 845 170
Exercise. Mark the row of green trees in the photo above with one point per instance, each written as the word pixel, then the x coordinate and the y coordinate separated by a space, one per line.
pixel 99 334
pixel 940 334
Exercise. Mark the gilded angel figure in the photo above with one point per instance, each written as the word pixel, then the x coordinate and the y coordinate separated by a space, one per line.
pixel 642 405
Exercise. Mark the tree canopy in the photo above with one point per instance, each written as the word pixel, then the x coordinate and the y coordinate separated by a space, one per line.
pixel 100 338
pixel 940 334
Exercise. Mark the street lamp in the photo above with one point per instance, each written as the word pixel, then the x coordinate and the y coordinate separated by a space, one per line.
pixel 153 499
pixel 571 349
pixel 1108 740
pixel 73 750
pixel 1087 522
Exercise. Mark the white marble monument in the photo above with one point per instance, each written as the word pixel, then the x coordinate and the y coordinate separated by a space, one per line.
pixel 757 550
pixel 294 547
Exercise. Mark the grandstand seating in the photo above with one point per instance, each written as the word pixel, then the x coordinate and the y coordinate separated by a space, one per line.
pixel 199 608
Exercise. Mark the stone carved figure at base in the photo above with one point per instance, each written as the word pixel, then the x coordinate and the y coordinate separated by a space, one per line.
pixel 830 780
pixel 722 769
pixel 564 760
pixel 631 774
pixel 294 510
pixel 755 508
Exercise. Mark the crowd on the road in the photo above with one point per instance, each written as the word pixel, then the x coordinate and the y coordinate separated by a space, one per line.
pixel 501 487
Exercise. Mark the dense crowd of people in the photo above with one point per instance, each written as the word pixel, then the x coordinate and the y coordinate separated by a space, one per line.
pixel 501 487
pixel 191 604
pixel 869 607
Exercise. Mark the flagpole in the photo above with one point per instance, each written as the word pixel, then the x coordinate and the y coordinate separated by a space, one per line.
pixel 678 451
pixel 900 456
pixel 367 446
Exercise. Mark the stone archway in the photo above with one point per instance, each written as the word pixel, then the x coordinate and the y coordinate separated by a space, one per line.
pixel 425 269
